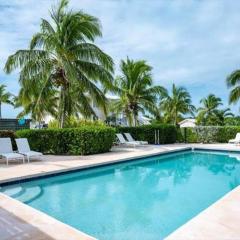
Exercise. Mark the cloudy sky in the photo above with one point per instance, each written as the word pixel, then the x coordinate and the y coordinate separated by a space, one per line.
pixel 192 43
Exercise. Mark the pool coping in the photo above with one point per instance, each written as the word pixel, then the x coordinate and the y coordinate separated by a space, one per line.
pixel 81 235
pixel 43 226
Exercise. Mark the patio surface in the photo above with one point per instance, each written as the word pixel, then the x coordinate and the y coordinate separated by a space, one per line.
pixel 220 221
pixel 19 221
pixel 53 163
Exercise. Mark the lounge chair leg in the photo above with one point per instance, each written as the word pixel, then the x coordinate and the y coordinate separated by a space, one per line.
pixel 28 158
pixel 7 160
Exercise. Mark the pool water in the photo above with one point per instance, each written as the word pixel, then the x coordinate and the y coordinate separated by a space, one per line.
pixel 142 199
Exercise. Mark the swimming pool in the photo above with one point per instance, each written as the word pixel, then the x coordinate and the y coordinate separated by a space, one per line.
pixel 143 199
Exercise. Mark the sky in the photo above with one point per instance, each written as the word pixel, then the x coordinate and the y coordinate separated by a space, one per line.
pixel 192 43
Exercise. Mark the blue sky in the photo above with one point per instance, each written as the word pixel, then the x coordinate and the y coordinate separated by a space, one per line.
pixel 195 44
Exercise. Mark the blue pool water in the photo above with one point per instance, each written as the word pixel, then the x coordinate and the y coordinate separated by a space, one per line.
pixel 144 199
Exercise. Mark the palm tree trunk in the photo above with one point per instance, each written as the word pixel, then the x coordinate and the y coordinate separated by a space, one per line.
pixel 62 110
pixel 135 118
pixel 175 120
pixel 0 110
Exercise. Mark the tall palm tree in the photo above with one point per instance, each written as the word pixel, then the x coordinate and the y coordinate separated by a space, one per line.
pixel 134 87
pixel 233 82
pixel 63 57
pixel 209 106
pixel 5 97
pixel 176 104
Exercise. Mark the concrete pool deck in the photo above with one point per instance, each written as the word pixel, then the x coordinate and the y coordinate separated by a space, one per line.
pixel 19 221
pixel 219 221
pixel 52 163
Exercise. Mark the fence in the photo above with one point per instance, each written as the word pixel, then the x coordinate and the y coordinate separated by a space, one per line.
pixel 14 124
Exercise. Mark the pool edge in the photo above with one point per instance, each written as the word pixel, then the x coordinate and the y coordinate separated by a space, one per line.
pixel 42 225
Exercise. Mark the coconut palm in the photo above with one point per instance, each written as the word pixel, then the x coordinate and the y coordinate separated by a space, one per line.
pixel 5 97
pixel 221 115
pixel 63 57
pixel 135 90
pixel 233 82
pixel 209 106
pixel 176 104
pixel 35 105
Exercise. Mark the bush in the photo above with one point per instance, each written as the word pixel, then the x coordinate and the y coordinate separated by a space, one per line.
pixel 10 134
pixel 73 122
pixel 75 141
pixel 209 134
pixel 167 133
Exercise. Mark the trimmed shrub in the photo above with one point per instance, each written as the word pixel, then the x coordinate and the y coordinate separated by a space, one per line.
pixel 209 134
pixel 167 133
pixel 10 134
pixel 74 141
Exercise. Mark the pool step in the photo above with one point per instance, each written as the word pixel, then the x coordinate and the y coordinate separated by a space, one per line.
pixel 25 195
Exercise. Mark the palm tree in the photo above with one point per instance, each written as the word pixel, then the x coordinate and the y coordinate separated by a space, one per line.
pixel 5 97
pixel 221 115
pixel 176 104
pixel 134 87
pixel 233 82
pixel 37 107
pixel 63 57
pixel 210 105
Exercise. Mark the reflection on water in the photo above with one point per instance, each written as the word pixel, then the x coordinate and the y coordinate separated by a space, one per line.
pixel 144 199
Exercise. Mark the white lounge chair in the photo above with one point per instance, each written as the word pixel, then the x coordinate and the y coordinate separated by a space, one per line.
pixel 24 148
pixel 6 150
pixel 122 140
pixel 130 139
pixel 236 140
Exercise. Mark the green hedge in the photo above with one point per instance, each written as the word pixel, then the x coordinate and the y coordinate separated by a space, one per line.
pixel 167 133
pixel 209 134
pixel 75 141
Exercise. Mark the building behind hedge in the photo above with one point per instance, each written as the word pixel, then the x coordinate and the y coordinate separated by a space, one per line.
pixel 14 124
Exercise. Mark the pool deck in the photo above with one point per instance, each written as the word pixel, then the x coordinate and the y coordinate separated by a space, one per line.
pixel 19 221
pixel 219 221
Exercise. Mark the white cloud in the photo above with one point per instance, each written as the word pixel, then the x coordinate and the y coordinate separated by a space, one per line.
pixel 192 43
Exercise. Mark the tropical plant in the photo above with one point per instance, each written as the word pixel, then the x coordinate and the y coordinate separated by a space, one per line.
pixel 209 105
pixel 38 106
pixel 207 112
pixel 210 114
pixel 135 90
pixel 220 116
pixel 62 57
pixel 176 104
pixel 233 82
pixel 5 97
pixel 232 121
pixel 74 122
